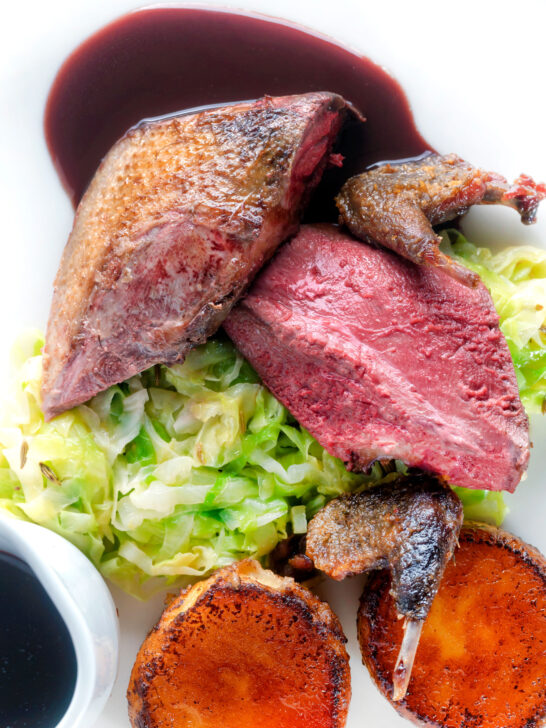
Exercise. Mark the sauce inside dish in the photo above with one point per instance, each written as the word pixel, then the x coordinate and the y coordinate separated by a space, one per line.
pixel 37 659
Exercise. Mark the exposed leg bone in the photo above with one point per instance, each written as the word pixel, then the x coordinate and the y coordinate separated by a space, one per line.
pixel 406 656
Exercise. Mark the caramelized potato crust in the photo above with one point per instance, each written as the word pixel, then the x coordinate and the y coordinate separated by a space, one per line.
pixel 243 648
pixel 481 661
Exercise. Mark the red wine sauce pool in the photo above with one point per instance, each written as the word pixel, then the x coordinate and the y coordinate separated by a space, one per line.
pixel 161 60
pixel 37 659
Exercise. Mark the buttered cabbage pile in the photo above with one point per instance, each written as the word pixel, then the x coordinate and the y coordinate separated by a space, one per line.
pixel 186 468
pixel 170 474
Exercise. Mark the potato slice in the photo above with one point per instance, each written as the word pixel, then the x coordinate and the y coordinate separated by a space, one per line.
pixel 243 648
pixel 481 661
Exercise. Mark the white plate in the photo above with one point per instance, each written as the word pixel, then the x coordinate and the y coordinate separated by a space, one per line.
pixel 473 72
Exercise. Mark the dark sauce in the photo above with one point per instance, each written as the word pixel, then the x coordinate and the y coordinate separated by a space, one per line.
pixel 37 660
pixel 161 60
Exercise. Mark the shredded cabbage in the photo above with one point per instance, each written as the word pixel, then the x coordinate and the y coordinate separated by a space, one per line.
pixel 183 469
pixel 170 474
pixel 482 505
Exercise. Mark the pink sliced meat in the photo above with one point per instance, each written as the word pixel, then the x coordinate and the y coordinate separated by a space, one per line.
pixel 380 358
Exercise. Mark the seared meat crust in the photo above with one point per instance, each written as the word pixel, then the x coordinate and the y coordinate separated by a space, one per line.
pixel 179 217
pixel 396 205
pixel 243 648
pixel 409 526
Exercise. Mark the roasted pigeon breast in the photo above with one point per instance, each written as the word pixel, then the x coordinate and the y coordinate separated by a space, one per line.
pixel 181 214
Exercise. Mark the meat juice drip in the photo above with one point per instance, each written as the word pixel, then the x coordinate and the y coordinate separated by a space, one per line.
pixel 38 666
pixel 161 60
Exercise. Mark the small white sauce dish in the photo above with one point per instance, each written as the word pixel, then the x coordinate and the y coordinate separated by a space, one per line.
pixel 84 603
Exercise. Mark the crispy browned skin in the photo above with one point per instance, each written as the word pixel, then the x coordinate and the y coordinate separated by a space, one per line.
pixel 481 661
pixel 244 648
pixel 409 526
pixel 396 205
pixel 179 217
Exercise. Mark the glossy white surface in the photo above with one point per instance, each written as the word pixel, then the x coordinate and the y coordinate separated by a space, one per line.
pixel 473 73
pixel 86 606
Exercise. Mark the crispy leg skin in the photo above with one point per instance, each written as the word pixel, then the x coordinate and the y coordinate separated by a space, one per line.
pixel 409 526
pixel 396 205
